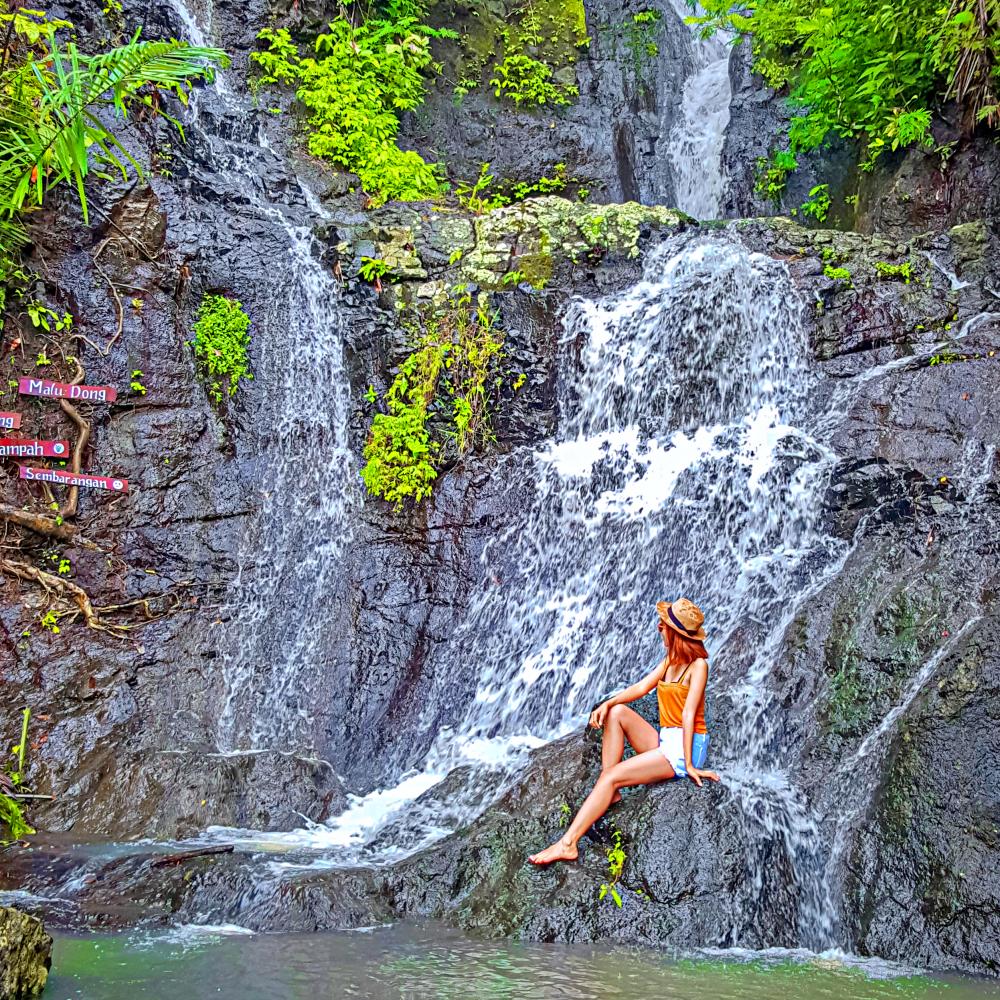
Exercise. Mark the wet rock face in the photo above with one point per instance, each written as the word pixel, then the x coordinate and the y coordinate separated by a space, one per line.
pixel 613 138
pixel 25 955
pixel 130 742
pixel 908 193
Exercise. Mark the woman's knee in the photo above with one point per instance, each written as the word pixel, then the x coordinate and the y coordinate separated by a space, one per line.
pixel 611 778
pixel 617 713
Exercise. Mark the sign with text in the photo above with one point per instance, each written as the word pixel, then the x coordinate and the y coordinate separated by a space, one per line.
pixel 64 478
pixel 64 390
pixel 9 421
pixel 31 448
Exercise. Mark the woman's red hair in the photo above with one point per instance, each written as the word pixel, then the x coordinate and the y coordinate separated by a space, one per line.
pixel 684 650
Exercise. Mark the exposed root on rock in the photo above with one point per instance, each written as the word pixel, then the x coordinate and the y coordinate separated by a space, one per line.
pixel 96 617
pixel 46 526
pixel 54 584
pixel 68 509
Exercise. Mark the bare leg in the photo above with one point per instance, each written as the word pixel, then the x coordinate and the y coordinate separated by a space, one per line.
pixel 644 769
pixel 623 723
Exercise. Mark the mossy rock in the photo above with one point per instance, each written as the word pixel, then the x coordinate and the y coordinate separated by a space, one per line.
pixel 25 955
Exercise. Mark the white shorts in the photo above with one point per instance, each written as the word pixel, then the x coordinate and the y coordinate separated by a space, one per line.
pixel 672 747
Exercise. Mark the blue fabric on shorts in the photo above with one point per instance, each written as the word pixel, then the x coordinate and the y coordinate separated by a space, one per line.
pixel 672 747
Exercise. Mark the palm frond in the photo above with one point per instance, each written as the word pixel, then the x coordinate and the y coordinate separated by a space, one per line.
pixel 53 142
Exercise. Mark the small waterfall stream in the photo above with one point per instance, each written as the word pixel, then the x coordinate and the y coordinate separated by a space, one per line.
pixel 686 462
pixel 281 609
pixel 695 147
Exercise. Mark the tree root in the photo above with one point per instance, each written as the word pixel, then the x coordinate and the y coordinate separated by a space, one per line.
pixel 104 351
pixel 68 509
pixel 95 618
pixel 47 526
pixel 50 583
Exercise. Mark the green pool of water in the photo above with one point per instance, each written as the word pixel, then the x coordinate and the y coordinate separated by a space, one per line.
pixel 407 961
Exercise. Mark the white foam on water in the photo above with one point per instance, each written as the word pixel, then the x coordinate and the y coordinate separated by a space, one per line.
pixel 187 937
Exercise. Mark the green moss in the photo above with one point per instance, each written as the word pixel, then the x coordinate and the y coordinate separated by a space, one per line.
pixel 899 797
pixel 837 273
pixel 537 269
pixel 529 239
pixel 529 51
pixel 442 395
pixel 889 272
pixel 221 345
pixel 846 703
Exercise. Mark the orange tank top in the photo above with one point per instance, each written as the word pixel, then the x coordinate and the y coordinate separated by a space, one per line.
pixel 671 698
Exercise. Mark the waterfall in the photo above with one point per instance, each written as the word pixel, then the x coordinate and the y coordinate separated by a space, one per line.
pixel 688 462
pixel 695 147
pixel 281 609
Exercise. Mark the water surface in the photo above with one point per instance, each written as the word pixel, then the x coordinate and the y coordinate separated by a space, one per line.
pixel 429 961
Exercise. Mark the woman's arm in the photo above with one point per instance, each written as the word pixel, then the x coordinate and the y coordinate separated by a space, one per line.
pixel 696 692
pixel 633 693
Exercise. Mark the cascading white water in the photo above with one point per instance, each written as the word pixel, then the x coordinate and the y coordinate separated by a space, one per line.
pixel 280 607
pixel 283 600
pixel 685 463
pixel 695 147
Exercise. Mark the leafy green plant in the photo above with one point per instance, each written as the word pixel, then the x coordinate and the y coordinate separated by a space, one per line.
pixel 136 384
pixel 480 196
pixel 474 196
pixel 373 270
pixel 837 273
pixel 55 102
pixel 439 400
pixel 889 272
pixel 523 80
pixel 13 824
pixel 818 205
pixel 616 864
pixel 221 345
pixel 47 319
pixel 361 78
pixel 639 35
pixel 870 71
pixel 772 174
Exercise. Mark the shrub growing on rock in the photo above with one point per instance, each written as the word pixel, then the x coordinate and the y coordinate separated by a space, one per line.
pixel 221 344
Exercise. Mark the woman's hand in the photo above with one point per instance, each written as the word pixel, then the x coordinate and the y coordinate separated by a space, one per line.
pixel 599 716
pixel 696 775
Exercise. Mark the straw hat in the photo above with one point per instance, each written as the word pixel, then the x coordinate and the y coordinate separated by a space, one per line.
pixel 683 617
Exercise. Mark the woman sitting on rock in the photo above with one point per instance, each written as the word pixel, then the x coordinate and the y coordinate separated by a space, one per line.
pixel 678 750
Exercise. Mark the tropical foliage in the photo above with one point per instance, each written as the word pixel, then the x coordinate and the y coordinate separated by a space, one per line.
pixel 871 71
pixel 438 403
pixel 360 78
pixel 221 345
pixel 13 824
pixel 52 96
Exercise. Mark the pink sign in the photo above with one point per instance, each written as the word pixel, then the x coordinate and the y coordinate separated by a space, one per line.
pixel 31 448
pixel 63 390
pixel 9 421
pixel 74 479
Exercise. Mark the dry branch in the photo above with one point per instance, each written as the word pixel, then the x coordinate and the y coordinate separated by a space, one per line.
pixel 201 852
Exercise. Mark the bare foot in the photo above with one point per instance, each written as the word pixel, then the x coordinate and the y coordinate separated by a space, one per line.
pixel 561 850
pixel 617 797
